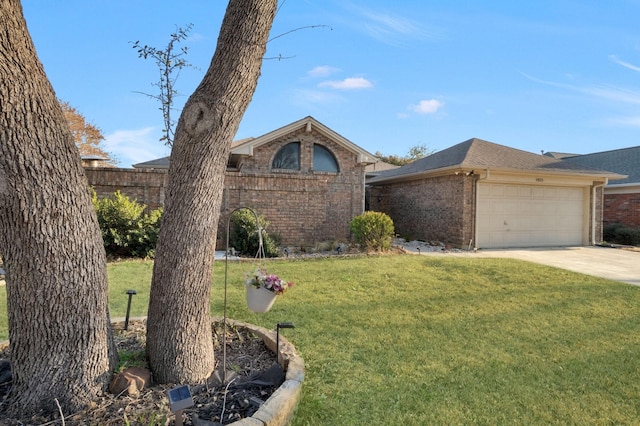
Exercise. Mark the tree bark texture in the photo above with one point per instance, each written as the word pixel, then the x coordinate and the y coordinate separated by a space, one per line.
pixel 59 328
pixel 179 342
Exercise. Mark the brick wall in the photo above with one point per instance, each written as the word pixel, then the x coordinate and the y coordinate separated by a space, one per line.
pixel 622 208
pixel 433 209
pixel 303 207
pixel 145 186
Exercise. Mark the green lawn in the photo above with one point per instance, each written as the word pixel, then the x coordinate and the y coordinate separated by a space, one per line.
pixel 415 340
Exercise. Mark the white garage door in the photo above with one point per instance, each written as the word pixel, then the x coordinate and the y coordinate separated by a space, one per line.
pixel 529 216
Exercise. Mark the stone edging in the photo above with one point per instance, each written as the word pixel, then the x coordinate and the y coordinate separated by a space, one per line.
pixel 279 408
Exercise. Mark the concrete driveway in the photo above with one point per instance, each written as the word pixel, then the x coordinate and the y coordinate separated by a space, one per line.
pixel 611 263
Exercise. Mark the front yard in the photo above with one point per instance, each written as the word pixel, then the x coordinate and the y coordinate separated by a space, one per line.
pixel 417 340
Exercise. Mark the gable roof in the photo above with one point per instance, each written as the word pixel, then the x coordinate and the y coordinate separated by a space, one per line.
pixel 308 123
pixel 479 154
pixel 245 146
pixel 625 161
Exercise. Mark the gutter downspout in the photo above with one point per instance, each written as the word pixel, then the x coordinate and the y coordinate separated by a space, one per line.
pixel 593 209
pixel 475 209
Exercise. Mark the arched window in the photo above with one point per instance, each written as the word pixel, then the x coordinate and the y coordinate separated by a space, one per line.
pixel 323 160
pixel 288 157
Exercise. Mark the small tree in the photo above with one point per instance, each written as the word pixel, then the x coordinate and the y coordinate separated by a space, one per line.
pixel 243 234
pixel 416 152
pixel 373 230
pixel 87 136
pixel 170 62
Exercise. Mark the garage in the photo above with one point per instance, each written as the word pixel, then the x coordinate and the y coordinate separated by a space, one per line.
pixel 478 194
pixel 516 215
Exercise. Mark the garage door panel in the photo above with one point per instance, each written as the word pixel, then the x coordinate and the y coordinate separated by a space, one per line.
pixel 529 216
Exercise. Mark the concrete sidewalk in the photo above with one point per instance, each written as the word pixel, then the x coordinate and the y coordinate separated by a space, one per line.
pixel 611 263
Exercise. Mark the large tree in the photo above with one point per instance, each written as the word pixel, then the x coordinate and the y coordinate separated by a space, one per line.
pixel 179 341
pixel 59 328
pixel 87 136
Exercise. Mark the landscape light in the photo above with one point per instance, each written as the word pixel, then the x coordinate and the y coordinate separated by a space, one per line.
pixel 278 327
pixel 126 319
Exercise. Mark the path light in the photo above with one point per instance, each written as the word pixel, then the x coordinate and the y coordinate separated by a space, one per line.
pixel 126 319
pixel 278 327
pixel 179 399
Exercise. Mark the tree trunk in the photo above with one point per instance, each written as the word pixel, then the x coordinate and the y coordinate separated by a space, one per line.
pixel 179 341
pixel 59 328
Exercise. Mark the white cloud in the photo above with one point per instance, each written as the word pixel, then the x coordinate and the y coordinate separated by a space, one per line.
pixel 624 121
pixel 429 106
pixel 613 93
pixel 135 146
pixel 615 59
pixel 351 83
pixel 603 91
pixel 390 28
pixel 383 26
pixel 322 71
pixel 313 97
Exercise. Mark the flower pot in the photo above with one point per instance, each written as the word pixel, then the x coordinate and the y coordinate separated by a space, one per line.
pixel 259 299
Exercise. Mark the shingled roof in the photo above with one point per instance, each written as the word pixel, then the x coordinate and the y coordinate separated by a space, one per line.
pixel 625 161
pixel 245 146
pixel 163 163
pixel 481 155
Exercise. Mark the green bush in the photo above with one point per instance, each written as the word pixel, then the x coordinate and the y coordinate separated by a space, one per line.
pixel 126 230
pixel 243 235
pixel 621 234
pixel 373 230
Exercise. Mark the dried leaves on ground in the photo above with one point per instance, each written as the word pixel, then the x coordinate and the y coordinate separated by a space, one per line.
pixel 251 377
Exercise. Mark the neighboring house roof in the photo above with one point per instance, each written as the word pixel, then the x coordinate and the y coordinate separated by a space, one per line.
pixel 481 155
pixel 245 146
pixel 559 155
pixel 91 160
pixel 625 161
pixel 376 168
pixel 158 163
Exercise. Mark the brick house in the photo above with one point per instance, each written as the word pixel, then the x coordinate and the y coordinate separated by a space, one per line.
pixel 621 197
pixel 304 178
pixel 484 195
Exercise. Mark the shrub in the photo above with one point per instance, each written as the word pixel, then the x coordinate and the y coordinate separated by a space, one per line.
pixel 243 235
pixel 621 234
pixel 126 230
pixel 373 230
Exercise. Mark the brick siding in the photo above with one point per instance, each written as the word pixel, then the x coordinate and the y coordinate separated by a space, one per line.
pixel 145 186
pixel 303 207
pixel 622 208
pixel 433 209
pixel 442 209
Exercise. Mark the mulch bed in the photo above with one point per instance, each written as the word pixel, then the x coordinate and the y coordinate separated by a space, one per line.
pixel 215 403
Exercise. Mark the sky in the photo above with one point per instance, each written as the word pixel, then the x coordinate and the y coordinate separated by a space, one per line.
pixel 546 75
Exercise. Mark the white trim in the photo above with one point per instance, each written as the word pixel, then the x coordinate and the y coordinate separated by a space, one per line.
pixel 307 124
pixel 594 205
pixel 623 188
